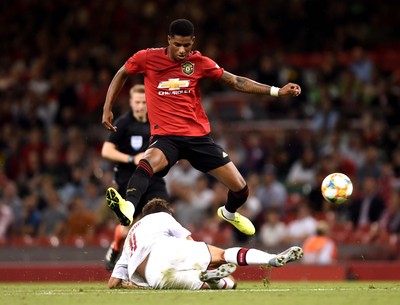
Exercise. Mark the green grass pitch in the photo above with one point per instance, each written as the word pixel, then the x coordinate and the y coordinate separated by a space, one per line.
pixel 249 293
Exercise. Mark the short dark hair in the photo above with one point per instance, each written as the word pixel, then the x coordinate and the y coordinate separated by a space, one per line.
pixel 181 27
pixel 156 205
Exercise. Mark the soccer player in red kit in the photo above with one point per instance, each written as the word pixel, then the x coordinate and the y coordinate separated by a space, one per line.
pixel 179 125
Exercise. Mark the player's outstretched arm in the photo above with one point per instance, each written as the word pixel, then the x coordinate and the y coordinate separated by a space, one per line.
pixel 244 84
pixel 113 90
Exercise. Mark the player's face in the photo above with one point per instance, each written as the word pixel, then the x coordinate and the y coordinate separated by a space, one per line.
pixel 138 105
pixel 179 47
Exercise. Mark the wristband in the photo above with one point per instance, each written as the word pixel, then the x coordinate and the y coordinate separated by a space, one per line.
pixel 131 159
pixel 274 91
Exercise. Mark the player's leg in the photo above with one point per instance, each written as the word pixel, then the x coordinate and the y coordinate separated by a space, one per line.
pixel 213 275
pixel 226 260
pixel 156 189
pixel 224 283
pixel 208 157
pixel 115 201
pixel 177 264
pixel 154 160
pixel 244 256
pixel 238 192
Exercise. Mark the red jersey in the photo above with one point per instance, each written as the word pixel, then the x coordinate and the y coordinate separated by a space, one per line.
pixel 173 90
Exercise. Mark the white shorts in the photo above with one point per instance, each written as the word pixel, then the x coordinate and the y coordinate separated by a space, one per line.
pixel 176 264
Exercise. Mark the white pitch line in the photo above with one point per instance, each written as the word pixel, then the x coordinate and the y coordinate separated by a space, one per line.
pixel 147 291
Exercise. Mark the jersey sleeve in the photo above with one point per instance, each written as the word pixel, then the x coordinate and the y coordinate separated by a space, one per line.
pixel 211 68
pixel 136 63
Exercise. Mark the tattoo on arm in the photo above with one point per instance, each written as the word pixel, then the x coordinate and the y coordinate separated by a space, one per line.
pixel 244 84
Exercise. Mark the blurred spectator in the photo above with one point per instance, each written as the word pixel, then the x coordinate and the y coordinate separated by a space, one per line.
pixel 255 153
pixel 6 220
pixel 302 226
pixel 326 118
pixel 320 249
pixel 273 230
pixel 182 174
pixel 92 197
pixel 361 65
pixel 368 208
pixel 11 197
pixel 202 196
pixel 32 152
pixel 395 161
pixel 390 220
pixel 302 172
pixel 75 185
pixel 80 224
pixel 270 191
pixel 387 182
pixel 185 212
pixel 281 158
pixel 53 217
pixel 31 216
pixel 193 203
pixel 52 167
pixel 267 73
pixel 353 147
pixel 334 155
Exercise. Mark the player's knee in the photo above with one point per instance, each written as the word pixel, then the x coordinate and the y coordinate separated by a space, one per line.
pixel 217 256
pixel 156 159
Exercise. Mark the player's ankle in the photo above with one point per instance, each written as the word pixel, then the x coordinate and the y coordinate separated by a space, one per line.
pixel 227 214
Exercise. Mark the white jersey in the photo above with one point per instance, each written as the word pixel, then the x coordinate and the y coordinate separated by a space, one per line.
pixel 146 232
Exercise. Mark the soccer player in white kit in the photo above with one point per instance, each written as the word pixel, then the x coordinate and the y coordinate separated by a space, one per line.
pixel 159 253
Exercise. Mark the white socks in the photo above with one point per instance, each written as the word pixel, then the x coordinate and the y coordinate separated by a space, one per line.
pixel 224 283
pixel 244 256
pixel 227 214
pixel 133 207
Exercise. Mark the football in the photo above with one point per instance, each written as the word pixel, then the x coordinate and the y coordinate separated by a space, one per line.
pixel 337 188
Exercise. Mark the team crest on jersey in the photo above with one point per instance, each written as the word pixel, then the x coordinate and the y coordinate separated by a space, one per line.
pixel 136 142
pixel 188 68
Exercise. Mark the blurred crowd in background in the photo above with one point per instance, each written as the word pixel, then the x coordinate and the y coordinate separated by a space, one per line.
pixel 57 59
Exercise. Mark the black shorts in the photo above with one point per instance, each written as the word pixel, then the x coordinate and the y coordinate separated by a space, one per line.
pixel 202 153
pixel 156 189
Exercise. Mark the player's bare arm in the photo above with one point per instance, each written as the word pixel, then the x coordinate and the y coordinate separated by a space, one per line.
pixel 244 84
pixel 113 90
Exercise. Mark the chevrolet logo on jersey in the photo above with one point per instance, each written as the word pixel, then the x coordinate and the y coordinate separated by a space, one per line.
pixel 174 84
